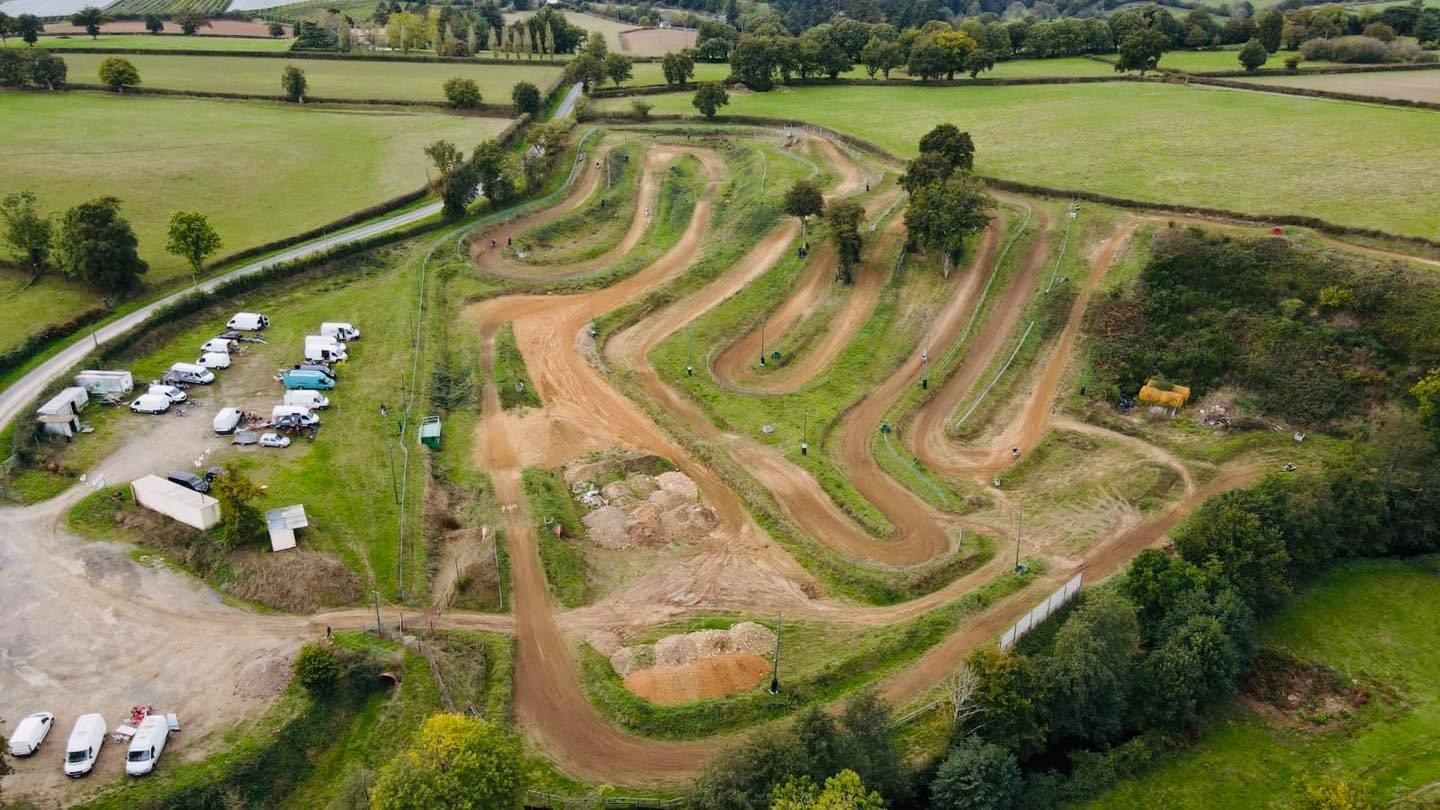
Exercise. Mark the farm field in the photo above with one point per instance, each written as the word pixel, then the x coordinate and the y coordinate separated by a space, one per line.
pixel 609 28
pixel 649 72
pixel 217 28
pixel 1364 620
pixel 164 42
pixel 353 78
pixel 1418 85
pixel 162 154
pixel 656 41
pixel 1151 142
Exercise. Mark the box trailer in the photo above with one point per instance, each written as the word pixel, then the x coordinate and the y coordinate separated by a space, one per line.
pixel 105 382
pixel 176 502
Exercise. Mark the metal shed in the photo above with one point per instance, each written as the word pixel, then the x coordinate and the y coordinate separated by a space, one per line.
pixel 430 432
pixel 282 524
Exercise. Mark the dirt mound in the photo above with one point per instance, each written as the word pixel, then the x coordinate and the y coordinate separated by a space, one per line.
pixel 641 510
pixel 683 649
pixel 714 676
pixel 264 677
pixel 300 581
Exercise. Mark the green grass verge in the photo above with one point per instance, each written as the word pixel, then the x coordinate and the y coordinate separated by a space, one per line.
pixel 511 379
pixel 1366 619
pixel 164 42
pixel 551 506
pixel 593 228
pixel 1152 142
pixel 869 655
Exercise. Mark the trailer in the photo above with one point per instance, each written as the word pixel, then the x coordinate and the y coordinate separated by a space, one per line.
pixel 105 382
pixel 176 502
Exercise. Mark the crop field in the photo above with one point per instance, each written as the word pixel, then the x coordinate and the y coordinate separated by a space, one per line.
pixel 1417 85
pixel 167 6
pixel 164 42
pixel 1365 620
pixel 353 78
pixel 609 28
pixel 1152 142
pixel 222 158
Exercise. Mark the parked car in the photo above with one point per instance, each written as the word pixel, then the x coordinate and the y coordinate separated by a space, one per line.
pixel 86 738
pixel 305 417
pixel 213 360
pixel 214 472
pixel 248 322
pixel 226 421
pixel 190 374
pixel 150 403
pixel 30 732
pixel 274 440
pixel 170 392
pixel 328 371
pixel 190 481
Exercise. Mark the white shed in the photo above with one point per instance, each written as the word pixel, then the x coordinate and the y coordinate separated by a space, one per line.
pixel 177 502
pixel 60 415
pixel 282 523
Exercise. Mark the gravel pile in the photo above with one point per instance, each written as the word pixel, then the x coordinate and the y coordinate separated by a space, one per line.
pixel 687 648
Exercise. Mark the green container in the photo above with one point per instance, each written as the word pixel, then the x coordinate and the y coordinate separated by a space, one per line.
pixel 430 432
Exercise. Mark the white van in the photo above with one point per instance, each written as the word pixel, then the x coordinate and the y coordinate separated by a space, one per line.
pixel 30 732
pixel 226 421
pixel 150 403
pixel 323 353
pixel 170 392
pixel 147 745
pixel 248 322
pixel 307 399
pixel 85 740
pixel 304 415
pixel 191 373
pixel 340 331
pixel 214 360
pixel 218 344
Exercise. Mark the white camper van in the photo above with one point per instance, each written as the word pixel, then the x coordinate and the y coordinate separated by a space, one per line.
pixel 340 331
pixel 30 732
pixel 305 417
pixel 218 344
pixel 248 322
pixel 170 392
pixel 193 374
pixel 147 745
pixel 85 740
pixel 307 399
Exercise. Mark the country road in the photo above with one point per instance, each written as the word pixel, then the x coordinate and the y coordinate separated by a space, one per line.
pixel 28 387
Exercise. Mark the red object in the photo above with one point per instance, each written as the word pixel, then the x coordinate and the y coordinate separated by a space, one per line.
pixel 1276 232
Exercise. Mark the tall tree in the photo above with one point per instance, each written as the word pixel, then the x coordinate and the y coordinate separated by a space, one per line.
pixel 294 83
pixel 45 69
pixel 155 25
pixel 957 147
pixel 28 232
pixel 1009 700
pixel 28 26
pixel 457 762
pixel 1091 670
pixel 845 218
pixel 927 169
pixel 587 69
pixel 881 56
pixel 526 97
pixel 7 27
pixel 190 22
pixel 944 215
pixel 1141 51
pixel 977 776
pixel 237 495
pixel 1232 543
pixel 677 67
pixel 1253 56
pixel 90 18
pixel 618 67
pixel 710 97
pixel 117 73
pixel 96 245
pixel 804 200
pixel 843 791
pixel 191 237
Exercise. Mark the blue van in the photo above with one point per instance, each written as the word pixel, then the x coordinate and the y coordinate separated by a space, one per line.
pixel 303 378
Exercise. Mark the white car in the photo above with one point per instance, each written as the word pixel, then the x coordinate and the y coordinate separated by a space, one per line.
pixel 30 732
pixel 213 360
pixel 151 403
pixel 274 440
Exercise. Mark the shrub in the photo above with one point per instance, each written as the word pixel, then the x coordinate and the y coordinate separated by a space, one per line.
pixel 1354 50
pixel 641 109
pixel 317 668
pixel 1292 62
pixel 118 74
pixel 463 94
pixel 294 83
pixel 526 97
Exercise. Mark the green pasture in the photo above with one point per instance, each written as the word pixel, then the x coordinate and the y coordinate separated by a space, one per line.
pixel 1368 620
pixel 1352 164
pixel 328 78
pixel 260 171
pixel 166 42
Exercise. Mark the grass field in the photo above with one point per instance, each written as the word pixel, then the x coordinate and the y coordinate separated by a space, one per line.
pixel 259 171
pixel 1154 142
pixel 609 28
pixel 1228 59
pixel 149 41
pixel 1370 618
pixel 1417 85
pixel 354 78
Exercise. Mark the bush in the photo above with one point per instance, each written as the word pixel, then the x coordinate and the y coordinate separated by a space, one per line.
pixel 526 97
pixel 641 109
pixel 118 74
pixel 1361 50
pixel 317 668
pixel 463 94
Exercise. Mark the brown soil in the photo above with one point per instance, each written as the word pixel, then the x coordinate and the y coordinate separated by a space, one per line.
pixel 715 676
pixel 657 41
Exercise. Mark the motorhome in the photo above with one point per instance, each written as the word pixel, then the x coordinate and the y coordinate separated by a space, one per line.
pixel 304 416
pixel 226 421
pixel 340 331
pixel 29 733
pixel 307 399
pixel 191 374
pixel 170 392
pixel 86 738
pixel 214 360
pixel 147 745
pixel 307 379
pixel 248 322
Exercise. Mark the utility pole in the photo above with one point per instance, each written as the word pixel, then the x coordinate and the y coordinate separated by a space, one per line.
pixel 499 583
pixel 925 375
pixel 379 628
pixel 762 343
pixel 805 436
pixel 1018 518
pixel 775 673
pixel 689 339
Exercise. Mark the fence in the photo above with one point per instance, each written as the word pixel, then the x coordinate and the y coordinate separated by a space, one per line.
pixel 1041 612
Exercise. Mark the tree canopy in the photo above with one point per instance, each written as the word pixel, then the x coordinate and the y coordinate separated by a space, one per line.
pixel 454 763
pixel 98 246
pixel 190 236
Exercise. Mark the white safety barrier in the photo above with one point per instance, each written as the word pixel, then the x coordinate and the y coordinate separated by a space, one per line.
pixel 1041 612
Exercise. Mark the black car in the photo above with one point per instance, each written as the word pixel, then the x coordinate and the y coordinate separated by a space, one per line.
pixel 190 481
pixel 326 370
pixel 214 472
